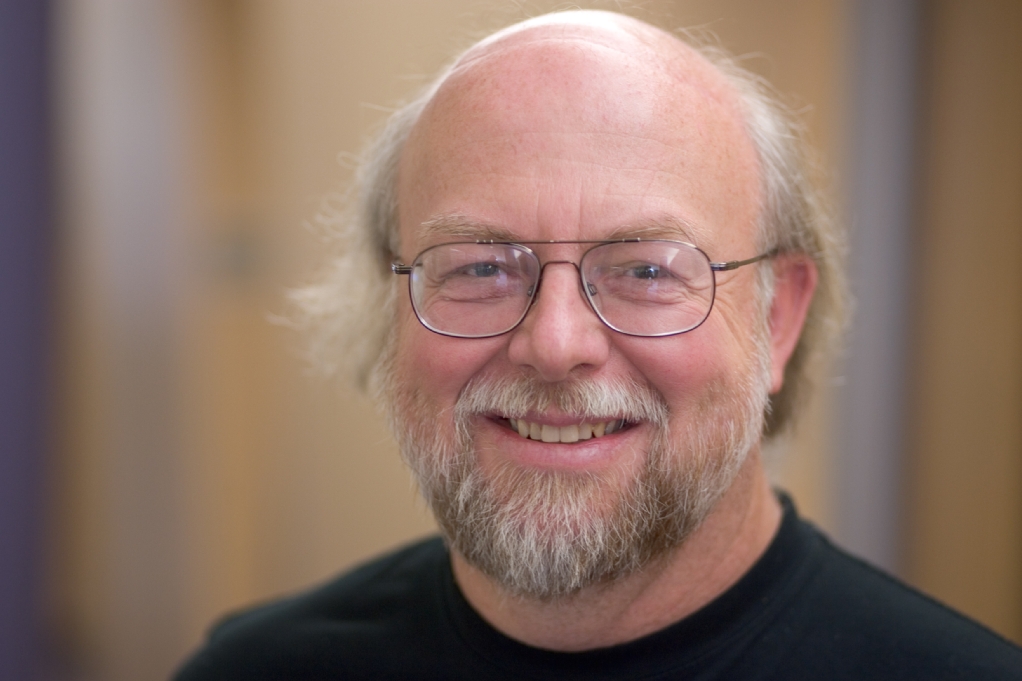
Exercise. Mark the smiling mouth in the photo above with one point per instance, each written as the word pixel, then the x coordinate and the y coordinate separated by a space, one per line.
pixel 564 434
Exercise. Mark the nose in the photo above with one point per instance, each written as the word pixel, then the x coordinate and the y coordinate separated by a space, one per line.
pixel 561 333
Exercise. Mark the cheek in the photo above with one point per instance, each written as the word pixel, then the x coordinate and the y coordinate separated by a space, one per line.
pixel 689 370
pixel 436 368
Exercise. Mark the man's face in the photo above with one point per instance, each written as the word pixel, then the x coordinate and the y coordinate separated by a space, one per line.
pixel 572 139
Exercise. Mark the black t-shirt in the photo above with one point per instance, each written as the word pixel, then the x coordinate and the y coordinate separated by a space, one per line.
pixel 805 610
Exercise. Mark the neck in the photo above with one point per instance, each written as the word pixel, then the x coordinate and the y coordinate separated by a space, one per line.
pixel 714 557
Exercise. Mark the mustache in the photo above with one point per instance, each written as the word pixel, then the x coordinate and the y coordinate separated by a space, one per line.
pixel 587 399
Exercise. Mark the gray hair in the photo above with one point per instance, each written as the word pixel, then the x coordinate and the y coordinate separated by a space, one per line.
pixel 348 314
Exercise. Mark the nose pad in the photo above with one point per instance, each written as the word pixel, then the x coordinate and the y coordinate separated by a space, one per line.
pixel 534 289
pixel 586 289
pixel 557 337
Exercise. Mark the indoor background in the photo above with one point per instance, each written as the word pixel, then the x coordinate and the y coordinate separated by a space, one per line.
pixel 168 456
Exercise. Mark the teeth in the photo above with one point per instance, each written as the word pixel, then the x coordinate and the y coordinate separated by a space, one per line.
pixel 550 434
pixel 569 434
pixel 564 434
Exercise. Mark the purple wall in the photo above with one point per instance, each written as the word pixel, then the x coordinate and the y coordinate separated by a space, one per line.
pixel 26 240
pixel 880 199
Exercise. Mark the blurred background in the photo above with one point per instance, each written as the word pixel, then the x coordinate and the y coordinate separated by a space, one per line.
pixel 165 456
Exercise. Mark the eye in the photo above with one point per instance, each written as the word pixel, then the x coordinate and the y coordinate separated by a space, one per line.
pixel 644 271
pixel 482 269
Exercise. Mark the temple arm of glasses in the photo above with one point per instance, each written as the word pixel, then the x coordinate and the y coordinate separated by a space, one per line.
pixel 398 268
pixel 735 264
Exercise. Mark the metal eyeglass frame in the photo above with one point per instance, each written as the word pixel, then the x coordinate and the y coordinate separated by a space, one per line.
pixel 400 268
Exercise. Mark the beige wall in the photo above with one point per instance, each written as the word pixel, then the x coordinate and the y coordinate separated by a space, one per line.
pixel 965 467
pixel 270 479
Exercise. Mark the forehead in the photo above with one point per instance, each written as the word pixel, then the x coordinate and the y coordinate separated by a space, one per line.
pixel 571 131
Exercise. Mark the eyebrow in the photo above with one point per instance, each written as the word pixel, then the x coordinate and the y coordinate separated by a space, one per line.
pixel 463 227
pixel 665 227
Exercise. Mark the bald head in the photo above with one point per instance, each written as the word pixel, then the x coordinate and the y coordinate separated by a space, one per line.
pixel 567 91
pixel 592 28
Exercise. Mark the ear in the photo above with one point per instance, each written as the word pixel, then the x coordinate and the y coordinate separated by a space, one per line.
pixel 795 279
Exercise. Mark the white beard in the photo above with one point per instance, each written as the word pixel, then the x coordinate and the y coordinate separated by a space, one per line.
pixel 549 534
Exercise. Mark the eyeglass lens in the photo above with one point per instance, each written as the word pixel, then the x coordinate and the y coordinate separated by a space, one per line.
pixel 648 288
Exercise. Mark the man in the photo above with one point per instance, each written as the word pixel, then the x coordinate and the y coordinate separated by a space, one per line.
pixel 611 257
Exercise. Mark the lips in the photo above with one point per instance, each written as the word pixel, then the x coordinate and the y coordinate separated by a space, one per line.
pixel 564 434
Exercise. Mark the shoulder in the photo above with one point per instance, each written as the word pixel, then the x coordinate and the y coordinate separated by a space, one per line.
pixel 330 628
pixel 856 621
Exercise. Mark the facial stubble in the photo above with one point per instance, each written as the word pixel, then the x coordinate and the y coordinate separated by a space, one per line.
pixel 548 534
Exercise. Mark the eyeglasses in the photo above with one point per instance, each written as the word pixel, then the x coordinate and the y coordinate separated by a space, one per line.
pixel 479 289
